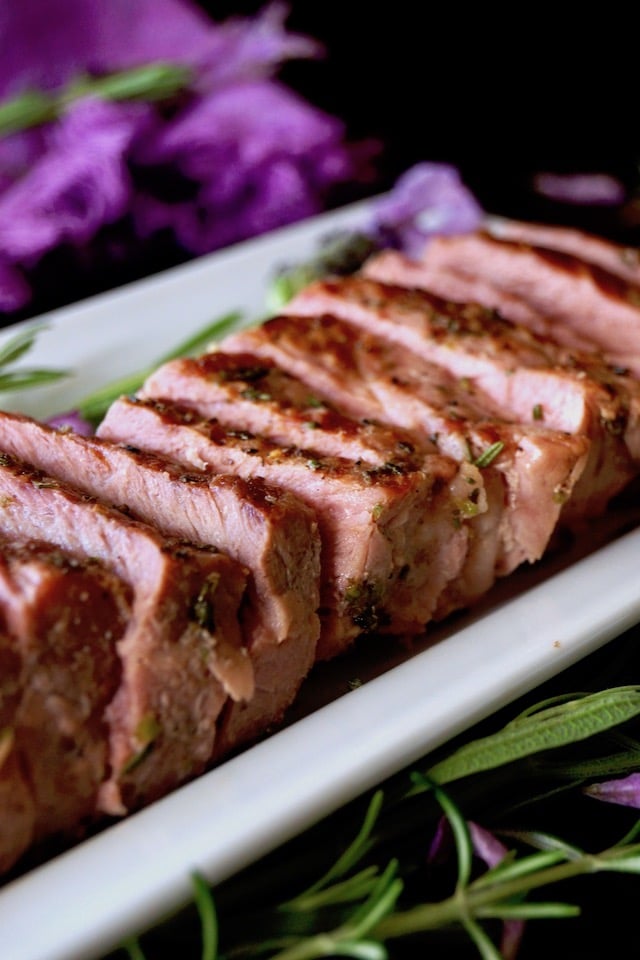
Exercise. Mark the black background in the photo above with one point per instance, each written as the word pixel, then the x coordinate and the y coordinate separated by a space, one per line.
pixel 502 95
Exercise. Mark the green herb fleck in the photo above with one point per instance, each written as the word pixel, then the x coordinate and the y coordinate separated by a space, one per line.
pixel 489 455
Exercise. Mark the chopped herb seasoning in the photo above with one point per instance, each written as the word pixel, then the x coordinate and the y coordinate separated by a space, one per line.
pixel 252 394
pixel 538 412
pixel 243 373
pixel 146 733
pixel 362 600
pixel 489 455
pixel 376 513
pixel 202 610
pixel 560 494
pixel 313 464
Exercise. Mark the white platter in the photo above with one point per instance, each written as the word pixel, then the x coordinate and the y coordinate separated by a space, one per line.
pixel 340 741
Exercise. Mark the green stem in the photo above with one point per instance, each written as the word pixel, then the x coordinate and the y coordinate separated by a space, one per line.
pixel 472 900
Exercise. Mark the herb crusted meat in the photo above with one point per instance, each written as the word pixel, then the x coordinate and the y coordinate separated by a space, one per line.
pixel 176 671
pixel 390 543
pixel 367 462
pixel 270 533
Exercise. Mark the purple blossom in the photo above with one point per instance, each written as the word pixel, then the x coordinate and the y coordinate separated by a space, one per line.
pixel 625 791
pixel 428 199
pixel 71 421
pixel 53 40
pixel 491 851
pixel 240 153
pixel 78 184
pixel 14 290
pixel 588 189
pixel 260 157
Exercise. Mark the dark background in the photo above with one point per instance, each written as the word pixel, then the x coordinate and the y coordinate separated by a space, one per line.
pixel 502 95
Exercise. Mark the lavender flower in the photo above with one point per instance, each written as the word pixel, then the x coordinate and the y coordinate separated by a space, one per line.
pixel 428 199
pixel 235 155
pixel 625 791
pixel 71 421
pixel 258 156
pixel 14 290
pixel 580 189
pixel 491 851
pixel 79 183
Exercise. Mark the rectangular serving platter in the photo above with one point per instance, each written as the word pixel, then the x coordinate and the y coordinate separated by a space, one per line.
pixel 341 737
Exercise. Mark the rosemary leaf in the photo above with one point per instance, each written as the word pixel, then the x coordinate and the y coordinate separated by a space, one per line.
pixel 23 379
pixel 553 727
pixel 94 406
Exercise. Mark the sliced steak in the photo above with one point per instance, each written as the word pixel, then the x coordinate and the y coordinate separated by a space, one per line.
pixel 528 379
pixel 181 655
pixel 65 617
pixel 247 391
pixel 254 393
pixel 555 294
pixel 622 261
pixel 17 802
pixel 528 481
pixel 269 531
pixel 390 544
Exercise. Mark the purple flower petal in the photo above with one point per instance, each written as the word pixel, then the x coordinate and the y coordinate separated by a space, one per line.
pixel 486 845
pixel 71 421
pixel 262 157
pixel 48 42
pixel 79 184
pixel 242 49
pixel 14 290
pixel 428 199
pixel 588 189
pixel 625 791
pixel 491 851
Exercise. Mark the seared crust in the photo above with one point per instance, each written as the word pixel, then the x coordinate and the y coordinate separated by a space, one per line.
pixel 162 718
pixel 553 292
pixel 390 540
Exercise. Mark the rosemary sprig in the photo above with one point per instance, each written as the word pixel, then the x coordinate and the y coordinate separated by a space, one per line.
pixel 150 82
pixel 22 378
pixel 94 406
pixel 381 890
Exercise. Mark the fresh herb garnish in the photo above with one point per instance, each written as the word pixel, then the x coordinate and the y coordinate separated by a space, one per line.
pixel 23 378
pixel 93 407
pixel 150 82
pixel 395 881
pixel 489 455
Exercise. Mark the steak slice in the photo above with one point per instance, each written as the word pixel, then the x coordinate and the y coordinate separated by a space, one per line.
pixel 533 475
pixel 270 532
pixel 555 294
pixel 243 390
pixel 252 392
pixel 181 654
pixel 622 261
pixel 390 543
pixel 64 617
pixel 17 802
pixel 528 379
